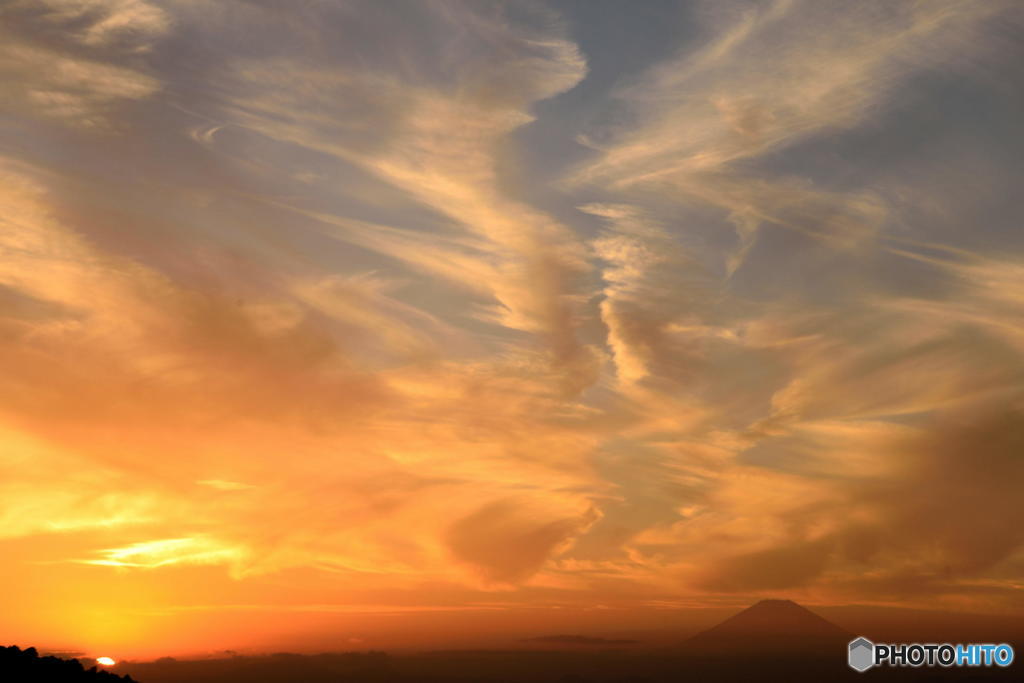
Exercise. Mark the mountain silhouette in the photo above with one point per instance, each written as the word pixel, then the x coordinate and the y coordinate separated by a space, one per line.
pixel 26 665
pixel 778 626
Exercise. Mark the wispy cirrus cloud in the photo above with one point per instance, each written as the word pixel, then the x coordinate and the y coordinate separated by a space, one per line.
pixel 709 121
pixel 66 60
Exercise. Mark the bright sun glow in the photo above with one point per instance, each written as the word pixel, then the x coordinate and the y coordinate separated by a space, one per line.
pixel 105 661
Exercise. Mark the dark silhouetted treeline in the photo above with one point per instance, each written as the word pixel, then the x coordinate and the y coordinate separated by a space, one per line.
pixel 26 666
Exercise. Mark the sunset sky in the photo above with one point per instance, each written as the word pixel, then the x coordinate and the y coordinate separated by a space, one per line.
pixel 344 324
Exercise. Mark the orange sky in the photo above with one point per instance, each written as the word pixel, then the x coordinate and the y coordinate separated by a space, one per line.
pixel 348 324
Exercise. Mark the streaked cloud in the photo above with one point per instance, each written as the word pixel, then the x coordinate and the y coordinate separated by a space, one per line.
pixel 160 553
pixel 71 60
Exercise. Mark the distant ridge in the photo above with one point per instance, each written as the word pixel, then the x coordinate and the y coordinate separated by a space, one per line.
pixel 770 625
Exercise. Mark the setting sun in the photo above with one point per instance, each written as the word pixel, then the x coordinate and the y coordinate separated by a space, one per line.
pixel 105 661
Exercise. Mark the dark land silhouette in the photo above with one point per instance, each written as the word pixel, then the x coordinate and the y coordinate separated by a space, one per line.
pixel 535 666
pixel 17 665
pixel 772 626
pixel 773 640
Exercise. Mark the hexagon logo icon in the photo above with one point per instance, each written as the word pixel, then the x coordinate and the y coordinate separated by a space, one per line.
pixel 861 655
